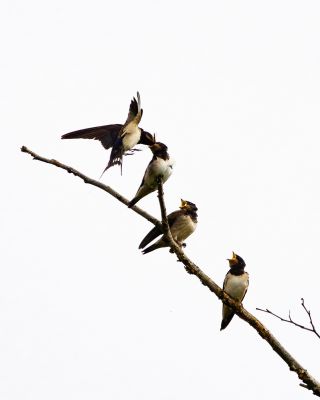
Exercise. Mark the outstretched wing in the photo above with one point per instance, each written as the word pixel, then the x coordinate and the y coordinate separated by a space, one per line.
pixel 135 110
pixel 156 231
pixel 107 134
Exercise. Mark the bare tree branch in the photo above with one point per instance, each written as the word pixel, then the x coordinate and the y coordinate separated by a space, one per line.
pixel 290 320
pixel 165 224
pixel 308 381
pixel 310 318
pixel 93 182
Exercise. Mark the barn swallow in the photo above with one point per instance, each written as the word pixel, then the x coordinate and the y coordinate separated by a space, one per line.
pixel 236 285
pixel 121 138
pixel 182 224
pixel 160 166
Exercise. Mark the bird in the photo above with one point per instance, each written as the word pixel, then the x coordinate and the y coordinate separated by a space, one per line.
pixel 182 223
pixel 235 285
pixel 121 138
pixel 159 167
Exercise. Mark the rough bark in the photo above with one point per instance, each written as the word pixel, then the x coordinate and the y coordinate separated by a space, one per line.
pixel 308 381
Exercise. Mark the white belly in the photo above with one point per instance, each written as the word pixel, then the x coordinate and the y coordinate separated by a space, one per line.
pixel 236 286
pixel 183 228
pixel 159 167
pixel 131 136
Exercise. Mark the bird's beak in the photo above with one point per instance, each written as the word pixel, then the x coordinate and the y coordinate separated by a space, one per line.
pixel 184 204
pixel 154 147
pixel 233 260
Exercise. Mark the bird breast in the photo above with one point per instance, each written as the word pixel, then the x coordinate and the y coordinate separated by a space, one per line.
pixel 131 136
pixel 236 285
pixel 158 167
pixel 182 228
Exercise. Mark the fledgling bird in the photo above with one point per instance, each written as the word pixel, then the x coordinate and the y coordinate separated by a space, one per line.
pixel 121 138
pixel 182 224
pixel 236 285
pixel 160 166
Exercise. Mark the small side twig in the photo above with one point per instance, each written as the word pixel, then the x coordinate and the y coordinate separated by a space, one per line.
pixel 291 321
pixel 310 318
pixel 309 382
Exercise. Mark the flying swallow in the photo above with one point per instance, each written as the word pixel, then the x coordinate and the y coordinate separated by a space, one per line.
pixel 182 224
pixel 160 166
pixel 121 138
pixel 236 285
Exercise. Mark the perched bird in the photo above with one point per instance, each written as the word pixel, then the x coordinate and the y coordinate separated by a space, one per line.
pixel 122 138
pixel 160 166
pixel 236 285
pixel 182 224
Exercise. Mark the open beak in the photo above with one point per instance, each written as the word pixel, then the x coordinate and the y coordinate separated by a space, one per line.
pixel 184 204
pixel 233 260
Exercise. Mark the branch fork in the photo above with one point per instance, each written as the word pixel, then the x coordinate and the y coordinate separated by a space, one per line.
pixel 291 321
pixel 308 381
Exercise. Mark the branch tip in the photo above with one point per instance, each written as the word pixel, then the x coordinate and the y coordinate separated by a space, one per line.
pixel 291 321
pixel 308 381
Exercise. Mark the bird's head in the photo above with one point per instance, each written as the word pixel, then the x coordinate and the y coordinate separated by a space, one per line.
pixel 148 138
pixel 236 261
pixel 158 148
pixel 187 205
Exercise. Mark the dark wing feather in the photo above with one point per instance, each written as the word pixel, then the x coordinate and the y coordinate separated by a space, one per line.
pixel 173 216
pixel 228 315
pixel 107 134
pixel 145 172
pixel 116 155
pixel 155 232
pixel 134 109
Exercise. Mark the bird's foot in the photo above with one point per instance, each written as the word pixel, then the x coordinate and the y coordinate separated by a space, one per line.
pixel 159 179
pixel 131 152
pixel 179 244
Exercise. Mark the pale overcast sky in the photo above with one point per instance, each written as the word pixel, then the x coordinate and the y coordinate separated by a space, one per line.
pixel 233 89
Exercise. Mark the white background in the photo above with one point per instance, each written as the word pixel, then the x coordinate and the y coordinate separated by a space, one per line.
pixel 233 89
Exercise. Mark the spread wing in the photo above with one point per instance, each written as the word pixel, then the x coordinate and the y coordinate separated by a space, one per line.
pixel 135 110
pixel 156 231
pixel 107 134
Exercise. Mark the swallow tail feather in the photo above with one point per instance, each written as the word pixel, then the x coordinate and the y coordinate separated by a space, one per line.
pixel 227 317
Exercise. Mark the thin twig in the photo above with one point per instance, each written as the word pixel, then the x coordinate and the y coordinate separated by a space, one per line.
pixel 310 318
pixel 192 268
pixel 291 321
